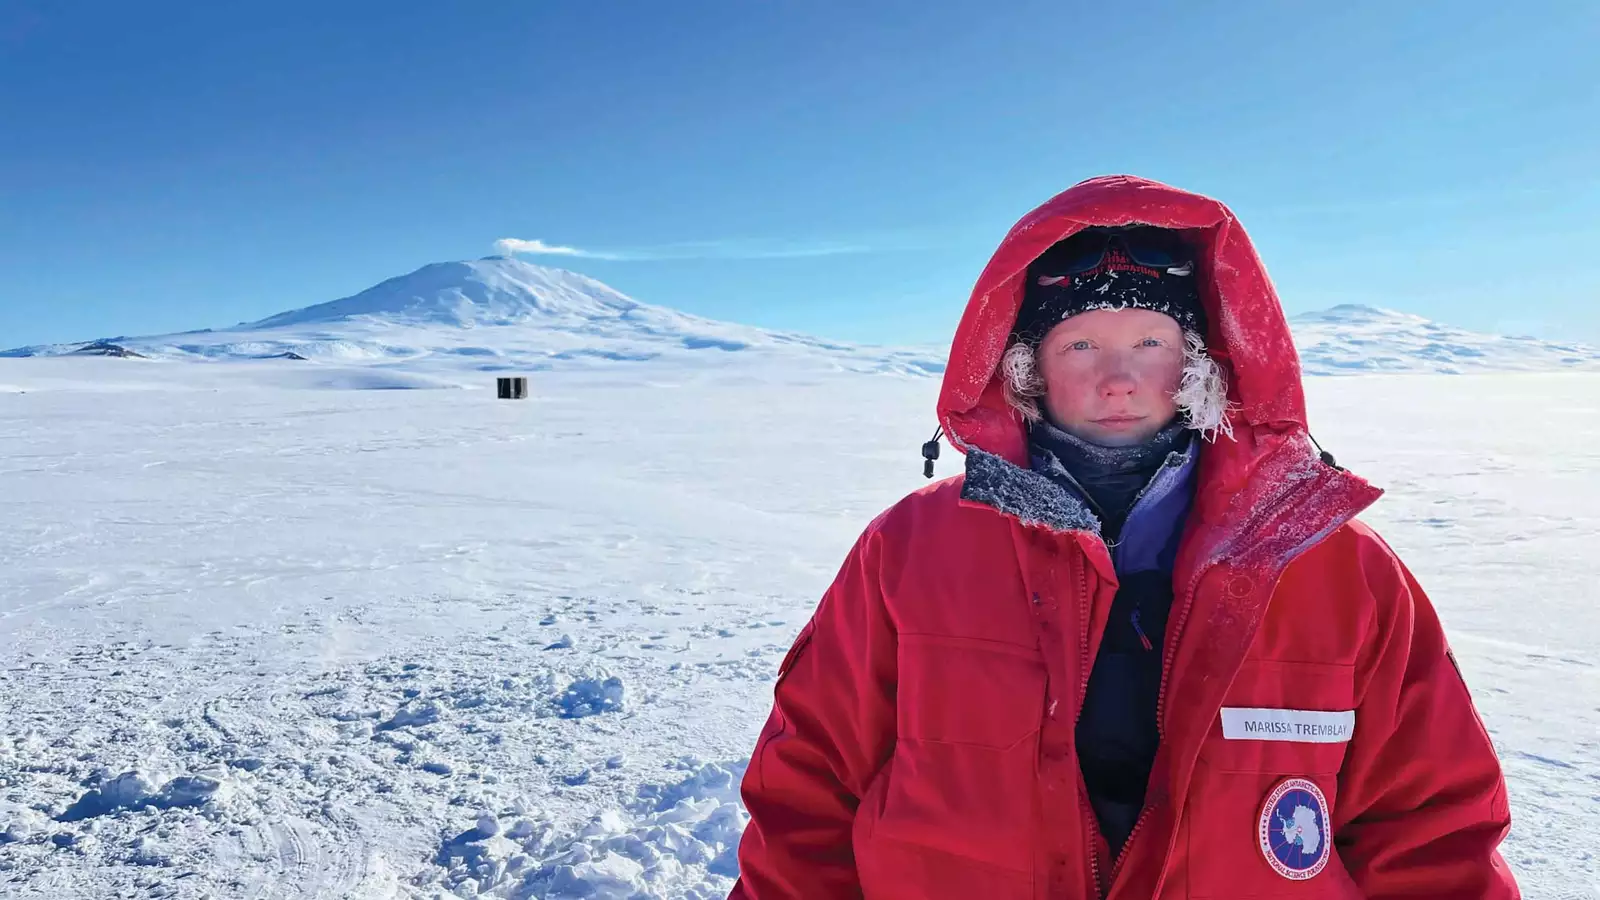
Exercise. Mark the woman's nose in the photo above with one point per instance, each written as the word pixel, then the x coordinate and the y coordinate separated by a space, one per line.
pixel 1117 382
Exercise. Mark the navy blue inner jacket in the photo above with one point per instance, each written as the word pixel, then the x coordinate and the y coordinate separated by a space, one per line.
pixel 1141 496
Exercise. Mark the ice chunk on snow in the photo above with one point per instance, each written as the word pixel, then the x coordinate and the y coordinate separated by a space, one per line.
pixel 723 825
pixel 147 851
pixel 415 715
pixel 18 823
pixel 133 790
pixel 189 790
pixel 591 696
pixel 611 877
pixel 706 780
pixel 126 791
pixel 606 824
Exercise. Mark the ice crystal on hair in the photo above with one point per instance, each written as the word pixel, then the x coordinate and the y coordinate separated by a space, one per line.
pixel 1202 394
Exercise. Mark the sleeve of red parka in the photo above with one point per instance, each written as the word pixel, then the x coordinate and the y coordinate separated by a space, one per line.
pixel 831 730
pixel 1422 802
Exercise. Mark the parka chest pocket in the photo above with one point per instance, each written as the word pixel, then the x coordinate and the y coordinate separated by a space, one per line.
pixel 1284 717
pixel 969 691
pixel 1290 723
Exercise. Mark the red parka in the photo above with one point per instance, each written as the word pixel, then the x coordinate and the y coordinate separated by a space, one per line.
pixel 921 746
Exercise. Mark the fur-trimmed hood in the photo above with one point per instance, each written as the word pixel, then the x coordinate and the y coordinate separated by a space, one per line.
pixel 1248 335
pixel 1268 461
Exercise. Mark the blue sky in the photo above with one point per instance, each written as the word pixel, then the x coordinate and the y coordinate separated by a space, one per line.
pixel 838 168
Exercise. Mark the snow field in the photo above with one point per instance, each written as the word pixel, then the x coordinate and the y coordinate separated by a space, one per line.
pixel 262 641
pixel 305 783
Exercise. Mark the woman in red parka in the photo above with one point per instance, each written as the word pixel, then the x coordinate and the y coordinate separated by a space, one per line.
pixel 1141 648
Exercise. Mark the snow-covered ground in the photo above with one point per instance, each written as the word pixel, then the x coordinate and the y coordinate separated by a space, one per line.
pixel 258 640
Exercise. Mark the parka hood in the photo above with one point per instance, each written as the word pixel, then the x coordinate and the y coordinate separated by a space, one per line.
pixel 1248 335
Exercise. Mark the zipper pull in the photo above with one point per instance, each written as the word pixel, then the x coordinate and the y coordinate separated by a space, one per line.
pixel 1143 638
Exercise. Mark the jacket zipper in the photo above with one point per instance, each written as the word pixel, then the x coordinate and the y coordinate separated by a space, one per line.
pixel 1086 609
pixel 1161 700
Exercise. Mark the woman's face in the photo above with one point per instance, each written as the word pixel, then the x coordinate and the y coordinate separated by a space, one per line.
pixel 1110 375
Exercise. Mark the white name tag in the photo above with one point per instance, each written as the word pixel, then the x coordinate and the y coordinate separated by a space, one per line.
pixel 1303 725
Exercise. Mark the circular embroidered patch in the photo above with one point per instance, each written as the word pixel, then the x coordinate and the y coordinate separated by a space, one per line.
pixel 1293 829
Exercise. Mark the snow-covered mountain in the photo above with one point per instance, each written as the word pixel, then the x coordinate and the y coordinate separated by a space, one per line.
pixel 455 319
pixel 1350 339
pixel 498 314
pixel 485 292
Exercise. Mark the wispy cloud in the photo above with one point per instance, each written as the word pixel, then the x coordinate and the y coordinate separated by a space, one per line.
pixel 536 247
pixel 698 250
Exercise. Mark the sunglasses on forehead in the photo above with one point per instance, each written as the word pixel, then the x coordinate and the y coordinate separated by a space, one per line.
pixel 1155 248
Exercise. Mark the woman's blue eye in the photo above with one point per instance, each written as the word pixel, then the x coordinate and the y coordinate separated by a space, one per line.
pixel 1152 342
pixel 1079 345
